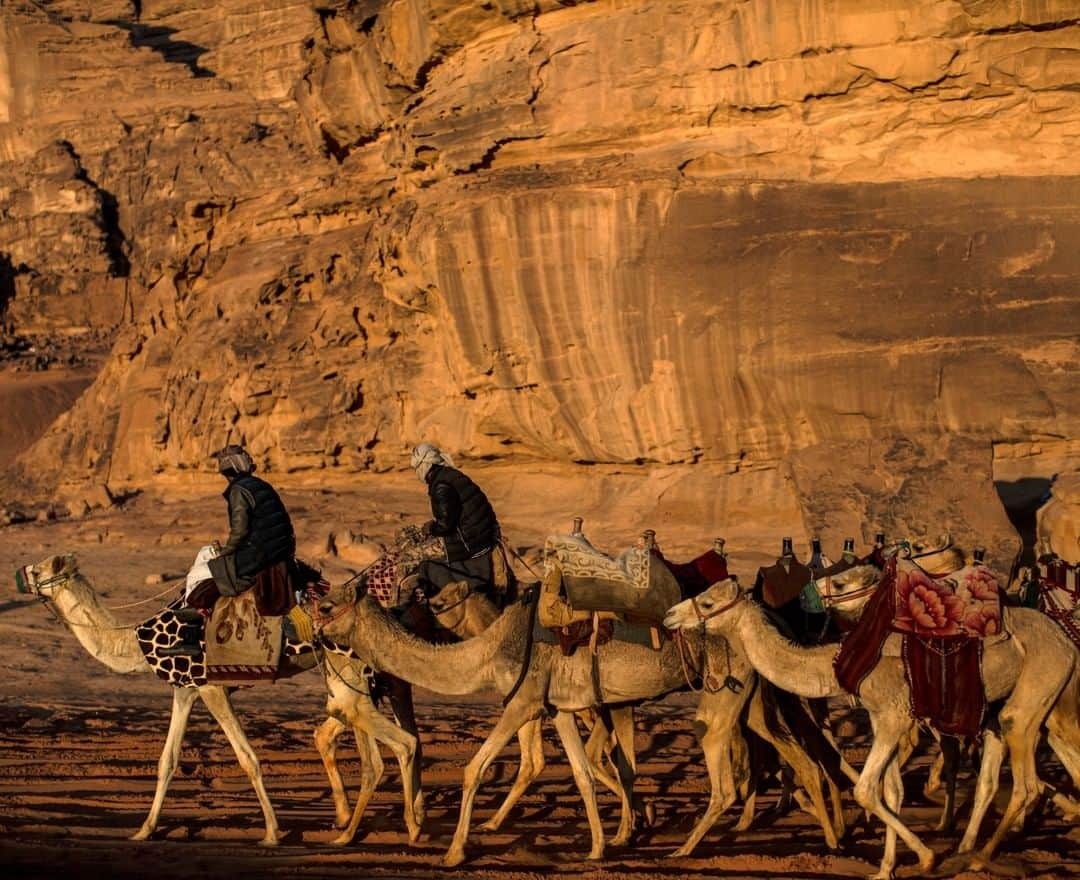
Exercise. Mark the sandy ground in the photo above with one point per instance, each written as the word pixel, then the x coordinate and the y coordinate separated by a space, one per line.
pixel 79 746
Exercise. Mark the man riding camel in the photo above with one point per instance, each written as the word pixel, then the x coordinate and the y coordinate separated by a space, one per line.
pixel 260 538
pixel 461 542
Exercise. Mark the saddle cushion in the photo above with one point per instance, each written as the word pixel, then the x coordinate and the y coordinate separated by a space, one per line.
pixel 632 585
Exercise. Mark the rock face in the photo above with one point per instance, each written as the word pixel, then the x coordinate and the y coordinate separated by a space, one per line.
pixel 689 231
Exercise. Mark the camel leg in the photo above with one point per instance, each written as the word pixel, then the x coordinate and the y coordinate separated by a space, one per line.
pixel 371 728
pixel 531 746
pixel 600 743
pixel 950 753
pixel 622 721
pixel 1020 731
pixel 183 700
pixel 746 774
pixel 805 769
pixel 217 701
pixel 993 753
pixel 326 741
pixel 371 771
pixel 888 732
pixel 716 745
pixel 894 796
pixel 401 703
pixel 519 712
pixel 579 764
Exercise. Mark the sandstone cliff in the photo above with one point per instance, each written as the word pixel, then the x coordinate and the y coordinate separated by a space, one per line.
pixel 740 233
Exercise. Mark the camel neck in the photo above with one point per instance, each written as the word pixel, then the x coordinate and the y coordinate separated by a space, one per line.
pixel 461 668
pixel 806 672
pixel 105 638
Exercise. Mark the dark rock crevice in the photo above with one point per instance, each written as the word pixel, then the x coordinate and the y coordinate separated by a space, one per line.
pixel 116 244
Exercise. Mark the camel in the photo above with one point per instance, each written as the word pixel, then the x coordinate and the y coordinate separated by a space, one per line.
pixel 1032 677
pixel 467 613
pixel 848 595
pixel 494 659
pixel 58 583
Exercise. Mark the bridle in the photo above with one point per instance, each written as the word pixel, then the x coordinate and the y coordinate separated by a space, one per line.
pixel 703 616
pixel 709 683
pixel 452 606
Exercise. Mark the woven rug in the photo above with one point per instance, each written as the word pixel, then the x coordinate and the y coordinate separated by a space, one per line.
pixel 242 646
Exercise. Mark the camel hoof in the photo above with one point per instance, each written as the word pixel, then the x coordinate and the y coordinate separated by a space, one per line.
pixel 881 875
pixel 681 853
pixel 271 839
pixel 649 814
pixel 453 858
pixel 342 840
pixel 490 825
pixel 142 834
pixel 620 839
pixel 595 855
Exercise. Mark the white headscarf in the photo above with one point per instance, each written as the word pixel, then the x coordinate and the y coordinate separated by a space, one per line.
pixel 425 457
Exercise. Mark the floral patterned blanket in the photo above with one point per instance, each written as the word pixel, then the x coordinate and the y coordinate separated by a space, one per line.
pixel 943 621
pixel 965 602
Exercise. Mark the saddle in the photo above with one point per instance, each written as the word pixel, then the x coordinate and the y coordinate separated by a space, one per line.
pixel 632 586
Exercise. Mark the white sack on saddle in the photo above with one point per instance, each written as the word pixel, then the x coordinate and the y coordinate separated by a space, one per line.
pixel 200 571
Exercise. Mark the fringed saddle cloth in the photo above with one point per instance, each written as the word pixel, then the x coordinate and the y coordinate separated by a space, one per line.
pixel 242 645
pixel 944 620
pixel 1059 596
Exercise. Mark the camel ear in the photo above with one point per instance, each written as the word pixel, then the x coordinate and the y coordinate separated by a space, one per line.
pixel 729 590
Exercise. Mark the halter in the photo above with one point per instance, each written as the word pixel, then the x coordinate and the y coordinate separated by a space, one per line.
pixel 702 617
pixel 446 608
pixel 830 601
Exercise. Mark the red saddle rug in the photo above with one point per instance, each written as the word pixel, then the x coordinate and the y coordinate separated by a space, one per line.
pixel 943 621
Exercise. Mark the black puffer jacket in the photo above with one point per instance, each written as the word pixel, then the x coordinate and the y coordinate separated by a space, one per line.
pixel 260 531
pixel 463 516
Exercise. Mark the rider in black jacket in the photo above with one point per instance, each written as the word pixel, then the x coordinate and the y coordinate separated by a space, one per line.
pixel 462 517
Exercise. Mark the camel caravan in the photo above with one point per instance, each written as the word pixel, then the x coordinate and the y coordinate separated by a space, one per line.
pixel 921 635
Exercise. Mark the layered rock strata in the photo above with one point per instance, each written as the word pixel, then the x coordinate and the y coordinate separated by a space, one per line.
pixel 680 232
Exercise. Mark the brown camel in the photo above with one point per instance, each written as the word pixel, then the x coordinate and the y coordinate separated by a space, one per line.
pixel 468 613
pixel 1032 679
pixel 494 659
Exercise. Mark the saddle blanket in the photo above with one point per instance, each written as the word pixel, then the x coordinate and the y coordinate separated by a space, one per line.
pixel 943 621
pixel 964 603
pixel 241 644
pixel 1058 596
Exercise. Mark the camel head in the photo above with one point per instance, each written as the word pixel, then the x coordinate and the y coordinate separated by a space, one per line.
pixel 848 592
pixel 43 577
pixel 938 556
pixel 335 613
pixel 705 607
pixel 448 605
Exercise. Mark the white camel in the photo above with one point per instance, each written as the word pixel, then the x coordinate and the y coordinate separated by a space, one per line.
pixel 848 595
pixel 57 581
pixel 1032 678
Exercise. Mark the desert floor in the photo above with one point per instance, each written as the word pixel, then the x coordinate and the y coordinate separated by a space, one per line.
pixel 80 746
